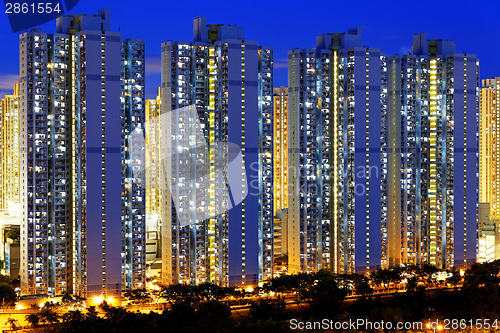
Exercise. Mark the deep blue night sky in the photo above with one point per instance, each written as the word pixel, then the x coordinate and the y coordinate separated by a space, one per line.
pixel 388 25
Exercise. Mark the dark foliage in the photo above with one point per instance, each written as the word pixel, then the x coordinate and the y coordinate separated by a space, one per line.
pixel 7 295
pixel 203 308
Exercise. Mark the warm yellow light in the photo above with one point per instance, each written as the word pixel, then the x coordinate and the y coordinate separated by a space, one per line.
pixel 440 327
pixel 98 299
pixel 152 286
pixel 110 300
pixel 19 307
pixel 249 289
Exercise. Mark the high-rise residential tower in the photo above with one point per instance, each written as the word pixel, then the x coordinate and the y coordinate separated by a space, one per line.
pixel 434 95
pixel 45 164
pixel 219 85
pixel 72 137
pixel 280 175
pixel 133 158
pixel 9 154
pixel 489 166
pixel 381 150
pixel 153 145
pixel 154 184
pixel 489 171
pixel 10 205
pixel 337 101
pixel 280 140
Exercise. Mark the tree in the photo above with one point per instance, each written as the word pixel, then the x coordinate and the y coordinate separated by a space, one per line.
pixel 265 309
pixel 73 316
pixel 455 278
pixel 50 305
pixel 139 296
pixel 91 313
pixel 111 312
pixel 181 316
pixel 14 324
pixel 325 294
pixel 7 295
pixel 214 316
pixel 481 274
pixel 181 293
pixel 48 315
pixel 361 285
pixel 386 276
pixel 210 291
pixel 427 272
pixel 5 279
pixel 76 321
pixel 67 299
pixel 33 319
pixel 412 284
pixel 289 283
pixel 15 282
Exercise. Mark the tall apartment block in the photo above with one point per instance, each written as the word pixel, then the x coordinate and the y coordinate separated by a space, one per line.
pixel 133 157
pixel 280 148
pixel 10 206
pixel 45 265
pixel 489 166
pixel 72 137
pixel 337 103
pixel 434 95
pixel 227 81
pixel 489 170
pixel 280 170
pixel 155 200
pixel 9 154
pixel 381 148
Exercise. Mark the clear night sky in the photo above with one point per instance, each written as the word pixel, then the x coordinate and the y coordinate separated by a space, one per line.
pixel 389 25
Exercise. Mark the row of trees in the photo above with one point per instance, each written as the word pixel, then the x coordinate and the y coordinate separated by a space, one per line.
pixel 475 294
pixel 204 316
pixel 7 287
pixel 206 307
pixel 411 277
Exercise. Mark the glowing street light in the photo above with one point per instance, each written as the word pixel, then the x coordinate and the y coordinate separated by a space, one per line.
pixel 98 299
